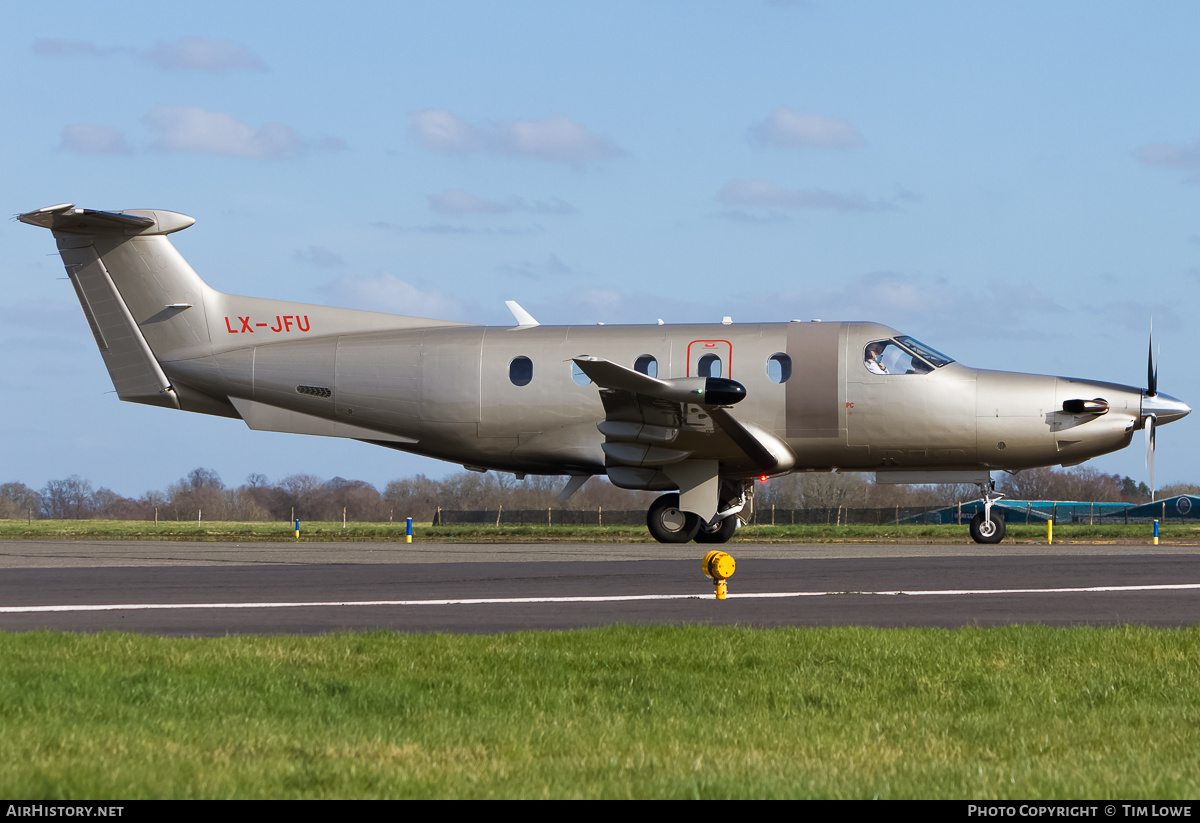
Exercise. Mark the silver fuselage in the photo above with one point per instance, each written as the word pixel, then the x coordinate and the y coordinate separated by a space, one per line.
pixel 446 393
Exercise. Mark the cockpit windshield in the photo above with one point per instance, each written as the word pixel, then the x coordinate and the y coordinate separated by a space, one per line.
pixel 932 355
pixel 903 355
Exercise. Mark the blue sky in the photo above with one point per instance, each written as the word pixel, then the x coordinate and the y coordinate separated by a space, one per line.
pixel 1014 183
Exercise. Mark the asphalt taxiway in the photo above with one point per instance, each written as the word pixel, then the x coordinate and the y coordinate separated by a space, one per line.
pixel 206 589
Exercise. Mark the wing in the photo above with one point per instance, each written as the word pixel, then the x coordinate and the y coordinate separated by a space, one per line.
pixel 652 426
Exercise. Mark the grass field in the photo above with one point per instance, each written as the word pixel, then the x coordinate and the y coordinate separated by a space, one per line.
pixel 622 712
pixel 359 532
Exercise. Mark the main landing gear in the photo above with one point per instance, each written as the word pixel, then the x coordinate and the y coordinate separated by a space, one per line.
pixel 670 524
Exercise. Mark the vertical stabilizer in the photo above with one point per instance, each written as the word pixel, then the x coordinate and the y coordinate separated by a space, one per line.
pixel 135 290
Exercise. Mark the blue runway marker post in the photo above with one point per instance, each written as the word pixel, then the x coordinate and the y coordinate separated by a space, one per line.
pixel 408 531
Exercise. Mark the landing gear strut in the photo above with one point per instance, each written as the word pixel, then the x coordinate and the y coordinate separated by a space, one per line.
pixel 988 526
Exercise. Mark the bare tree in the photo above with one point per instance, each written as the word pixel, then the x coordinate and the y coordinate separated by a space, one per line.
pixel 69 499
pixel 18 500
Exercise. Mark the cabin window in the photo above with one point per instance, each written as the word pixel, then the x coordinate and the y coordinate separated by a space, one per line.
pixel 647 365
pixel 578 377
pixel 779 368
pixel 709 366
pixel 520 371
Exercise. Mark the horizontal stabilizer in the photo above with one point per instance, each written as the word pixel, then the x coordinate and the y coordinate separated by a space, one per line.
pixel 67 219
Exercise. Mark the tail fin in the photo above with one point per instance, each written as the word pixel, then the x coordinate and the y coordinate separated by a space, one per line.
pixel 135 290
pixel 147 306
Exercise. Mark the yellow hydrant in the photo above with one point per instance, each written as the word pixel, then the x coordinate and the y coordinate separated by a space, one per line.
pixel 719 566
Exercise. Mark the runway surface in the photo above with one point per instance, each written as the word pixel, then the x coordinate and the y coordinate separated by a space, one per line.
pixel 207 589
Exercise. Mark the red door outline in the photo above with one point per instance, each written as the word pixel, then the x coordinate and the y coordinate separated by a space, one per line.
pixel 721 348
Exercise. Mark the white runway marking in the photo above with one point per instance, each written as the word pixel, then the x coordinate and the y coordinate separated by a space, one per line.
pixel 469 601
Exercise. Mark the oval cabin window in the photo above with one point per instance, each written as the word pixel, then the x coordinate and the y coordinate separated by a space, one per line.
pixel 520 371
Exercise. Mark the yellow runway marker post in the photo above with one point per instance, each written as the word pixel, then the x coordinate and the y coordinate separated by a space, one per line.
pixel 719 566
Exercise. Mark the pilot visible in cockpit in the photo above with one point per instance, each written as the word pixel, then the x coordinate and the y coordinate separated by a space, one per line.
pixel 873 358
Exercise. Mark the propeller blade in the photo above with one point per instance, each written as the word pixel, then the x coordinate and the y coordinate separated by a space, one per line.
pixel 1150 429
pixel 1151 368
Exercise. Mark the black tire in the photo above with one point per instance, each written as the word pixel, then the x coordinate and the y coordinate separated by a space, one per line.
pixel 987 532
pixel 668 523
pixel 720 534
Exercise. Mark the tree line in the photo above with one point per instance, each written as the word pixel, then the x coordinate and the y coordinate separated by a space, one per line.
pixel 201 494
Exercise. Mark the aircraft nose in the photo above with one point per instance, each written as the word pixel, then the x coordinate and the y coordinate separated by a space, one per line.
pixel 1164 407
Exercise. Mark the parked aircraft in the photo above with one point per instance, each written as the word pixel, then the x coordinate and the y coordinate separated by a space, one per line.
pixel 696 411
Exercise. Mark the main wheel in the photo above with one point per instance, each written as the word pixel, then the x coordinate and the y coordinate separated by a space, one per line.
pixel 987 531
pixel 670 524
pixel 720 534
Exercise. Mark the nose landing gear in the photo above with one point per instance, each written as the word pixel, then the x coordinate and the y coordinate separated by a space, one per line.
pixel 988 526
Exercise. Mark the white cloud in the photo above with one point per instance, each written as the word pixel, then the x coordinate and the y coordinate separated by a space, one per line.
pixel 203 54
pixel 556 139
pixel 553 267
pixel 760 194
pixel 1170 156
pixel 458 201
pixel 387 293
pixel 192 129
pixel 321 256
pixel 72 49
pixel 787 128
pixel 442 131
pixel 84 138
pixel 185 54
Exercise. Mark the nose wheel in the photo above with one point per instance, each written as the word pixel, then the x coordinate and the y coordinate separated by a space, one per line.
pixel 987 529
pixel 988 526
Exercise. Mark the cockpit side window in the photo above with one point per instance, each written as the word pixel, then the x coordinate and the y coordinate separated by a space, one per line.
pixel 889 357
